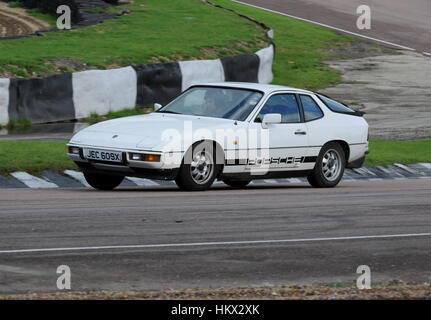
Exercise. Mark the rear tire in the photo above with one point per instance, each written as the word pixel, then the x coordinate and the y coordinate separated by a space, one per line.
pixel 103 181
pixel 238 184
pixel 200 173
pixel 329 168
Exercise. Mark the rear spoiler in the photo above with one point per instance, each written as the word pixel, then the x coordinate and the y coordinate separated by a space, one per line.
pixel 359 113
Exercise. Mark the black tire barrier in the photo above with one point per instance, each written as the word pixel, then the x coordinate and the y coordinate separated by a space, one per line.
pixel 157 83
pixel 41 100
pixel 241 68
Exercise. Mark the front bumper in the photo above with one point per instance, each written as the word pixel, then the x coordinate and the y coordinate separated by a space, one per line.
pixel 116 170
pixel 129 167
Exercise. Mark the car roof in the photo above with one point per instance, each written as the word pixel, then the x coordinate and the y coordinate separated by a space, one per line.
pixel 266 88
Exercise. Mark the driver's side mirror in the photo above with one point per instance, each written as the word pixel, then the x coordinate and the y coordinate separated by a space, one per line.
pixel 157 106
pixel 270 118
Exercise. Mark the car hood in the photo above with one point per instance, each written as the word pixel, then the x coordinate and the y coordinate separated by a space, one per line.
pixel 145 132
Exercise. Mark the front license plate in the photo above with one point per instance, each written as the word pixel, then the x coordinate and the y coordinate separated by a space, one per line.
pixel 103 155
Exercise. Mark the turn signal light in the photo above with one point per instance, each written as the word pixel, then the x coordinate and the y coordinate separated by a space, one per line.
pixel 151 157
pixel 145 157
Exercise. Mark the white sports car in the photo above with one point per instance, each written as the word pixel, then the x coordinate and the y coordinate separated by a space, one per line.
pixel 234 132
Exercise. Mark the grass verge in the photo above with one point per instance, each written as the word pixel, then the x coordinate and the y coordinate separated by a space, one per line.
pixel 164 31
pixel 35 13
pixel 94 117
pixel 154 31
pixel 15 4
pixel 37 156
pixel 13 125
pixel 33 156
pixel 300 48
pixel 385 152
pixel 43 16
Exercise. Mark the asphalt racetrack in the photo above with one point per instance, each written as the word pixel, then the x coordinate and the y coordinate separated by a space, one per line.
pixel 160 238
pixel 406 24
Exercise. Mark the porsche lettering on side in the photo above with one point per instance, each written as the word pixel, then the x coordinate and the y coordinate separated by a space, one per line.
pixel 234 132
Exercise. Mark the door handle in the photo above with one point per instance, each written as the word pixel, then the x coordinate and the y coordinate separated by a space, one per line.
pixel 299 132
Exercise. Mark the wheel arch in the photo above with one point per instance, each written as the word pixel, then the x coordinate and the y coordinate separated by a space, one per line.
pixel 344 145
pixel 219 156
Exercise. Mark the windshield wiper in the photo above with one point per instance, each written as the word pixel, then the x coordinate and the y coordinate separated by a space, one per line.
pixel 168 111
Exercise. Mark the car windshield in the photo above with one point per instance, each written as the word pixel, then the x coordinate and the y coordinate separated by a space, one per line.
pixel 226 103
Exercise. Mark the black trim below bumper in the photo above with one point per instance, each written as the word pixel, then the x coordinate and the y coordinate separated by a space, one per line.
pixel 116 170
pixel 356 164
pixel 269 175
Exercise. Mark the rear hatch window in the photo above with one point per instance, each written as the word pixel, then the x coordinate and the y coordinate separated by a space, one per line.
pixel 338 106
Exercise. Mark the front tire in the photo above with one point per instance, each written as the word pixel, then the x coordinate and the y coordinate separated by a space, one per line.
pixel 329 168
pixel 103 181
pixel 199 168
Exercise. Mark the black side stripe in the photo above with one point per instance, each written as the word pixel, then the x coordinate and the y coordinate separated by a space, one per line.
pixel 310 159
pixel 238 162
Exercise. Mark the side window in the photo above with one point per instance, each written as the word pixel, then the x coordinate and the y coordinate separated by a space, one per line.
pixel 285 104
pixel 311 109
pixel 335 105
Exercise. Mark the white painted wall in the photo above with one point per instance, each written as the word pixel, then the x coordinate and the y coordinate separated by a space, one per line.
pixel 102 91
pixel 266 57
pixel 199 71
pixel 4 101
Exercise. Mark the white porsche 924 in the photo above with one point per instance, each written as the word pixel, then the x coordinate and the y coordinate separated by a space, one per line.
pixel 234 132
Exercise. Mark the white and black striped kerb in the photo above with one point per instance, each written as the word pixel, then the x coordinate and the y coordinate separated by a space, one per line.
pixel 75 179
pixel 77 95
pixel 245 68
